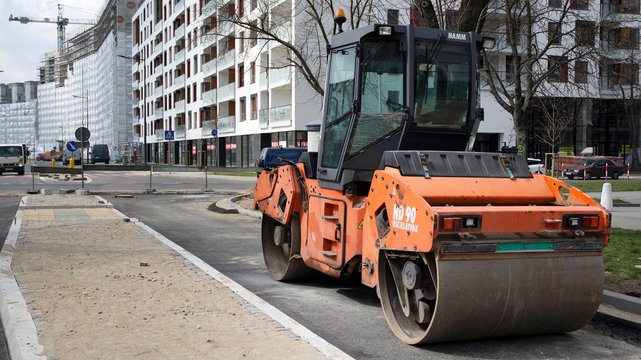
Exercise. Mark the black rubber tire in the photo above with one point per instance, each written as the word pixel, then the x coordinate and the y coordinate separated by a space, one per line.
pixel 588 175
pixel 615 175
pixel 570 177
pixel 282 260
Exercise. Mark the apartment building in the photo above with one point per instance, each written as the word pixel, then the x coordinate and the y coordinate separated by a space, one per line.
pixel 592 64
pixel 208 92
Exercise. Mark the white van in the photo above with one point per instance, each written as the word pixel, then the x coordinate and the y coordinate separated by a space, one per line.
pixel 67 155
pixel 13 157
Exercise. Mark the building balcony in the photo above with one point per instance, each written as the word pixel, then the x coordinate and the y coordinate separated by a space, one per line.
pixel 283 32
pixel 263 81
pixel 225 28
pixel 160 135
pixel 180 132
pixel 135 84
pixel 209 8
pixel 208 39
pixel 227 124
pixel 158 91
pixel 209 97
pixel 227 92
pixel 179 81
pixel 226 60
pixel 208 126
pixel 280 116
pixel 180 106
pixel 263 118
pixel 180 56
pixel 180 7
pixel 280 77
pixel 180 32
pixel 158 69
pixel 158 113
pixel 208 68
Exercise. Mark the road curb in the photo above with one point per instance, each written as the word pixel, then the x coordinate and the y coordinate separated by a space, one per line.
pixel 230 203
pixel 622 302
pixel 20 329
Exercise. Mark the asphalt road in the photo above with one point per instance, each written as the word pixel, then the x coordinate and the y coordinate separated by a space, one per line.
pixel 347 315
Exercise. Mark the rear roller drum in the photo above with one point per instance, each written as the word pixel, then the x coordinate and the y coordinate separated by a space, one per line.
pixel 407 295
pixel 281 248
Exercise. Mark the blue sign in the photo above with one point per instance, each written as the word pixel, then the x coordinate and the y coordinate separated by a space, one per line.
pixel 71 146
pixel 169 134
pixel 214 132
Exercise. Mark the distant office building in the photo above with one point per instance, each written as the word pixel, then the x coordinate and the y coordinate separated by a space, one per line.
pixel 18 121
pixel 88 84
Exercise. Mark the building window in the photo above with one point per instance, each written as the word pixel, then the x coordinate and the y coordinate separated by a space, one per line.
pixel 392 16
pixel 554 3
pixel 241 8
pixel 624 6
pixel 510 70
pixel 558 68
pixel 554 33
pixel 624 38
pixel 252 72
pixel 581 71
pixel 254 4
pixel 243 109
pixel 585 32
pixel 580 4
pixel 241 75
pixel 254 107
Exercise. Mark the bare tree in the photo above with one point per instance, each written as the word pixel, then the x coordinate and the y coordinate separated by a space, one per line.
pixel 554 123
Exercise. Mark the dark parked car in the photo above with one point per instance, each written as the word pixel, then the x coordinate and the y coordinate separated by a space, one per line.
pixel 595 168
pixel 100 153
pixel 271 157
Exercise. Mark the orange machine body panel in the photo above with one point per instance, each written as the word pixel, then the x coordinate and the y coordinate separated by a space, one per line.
pixel 339 230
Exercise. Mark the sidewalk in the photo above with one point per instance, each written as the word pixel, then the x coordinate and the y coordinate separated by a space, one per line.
pixel 79 280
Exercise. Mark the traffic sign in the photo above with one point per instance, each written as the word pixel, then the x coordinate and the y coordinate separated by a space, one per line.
pixel 71 146
pixel 214 132
pixel 82 132
pixel 169 135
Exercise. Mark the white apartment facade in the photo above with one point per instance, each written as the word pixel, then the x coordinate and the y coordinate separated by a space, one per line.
pixel 599 85
pixel 194 72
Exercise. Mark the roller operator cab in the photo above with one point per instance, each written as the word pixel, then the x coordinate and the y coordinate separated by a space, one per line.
pixel 459 245
pixel 396 88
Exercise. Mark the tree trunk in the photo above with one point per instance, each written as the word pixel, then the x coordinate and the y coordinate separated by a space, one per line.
pixel 472 15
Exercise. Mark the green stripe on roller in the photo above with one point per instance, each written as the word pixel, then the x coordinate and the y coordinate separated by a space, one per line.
pixel 524 246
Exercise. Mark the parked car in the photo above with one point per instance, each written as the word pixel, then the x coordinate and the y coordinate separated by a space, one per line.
pixel 271 157
pixel 100 153
pixel 595 168
pixel 536 166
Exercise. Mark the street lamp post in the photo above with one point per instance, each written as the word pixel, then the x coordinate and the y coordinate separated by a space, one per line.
pixel 144 107
pixel 82 135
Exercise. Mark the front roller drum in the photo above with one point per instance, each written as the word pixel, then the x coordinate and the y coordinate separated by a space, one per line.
pixel 487 297
pixel 281 248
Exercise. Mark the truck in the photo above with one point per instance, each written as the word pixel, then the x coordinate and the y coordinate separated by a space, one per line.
pixel 13 157
pixel 459 245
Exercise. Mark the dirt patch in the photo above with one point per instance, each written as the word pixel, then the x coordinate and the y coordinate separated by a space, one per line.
pixel 630 287
pixel 102 288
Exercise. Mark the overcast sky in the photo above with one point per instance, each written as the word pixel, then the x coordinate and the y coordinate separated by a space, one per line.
pixel 22 46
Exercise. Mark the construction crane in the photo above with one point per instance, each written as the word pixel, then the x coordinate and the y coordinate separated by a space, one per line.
pixel 60 21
